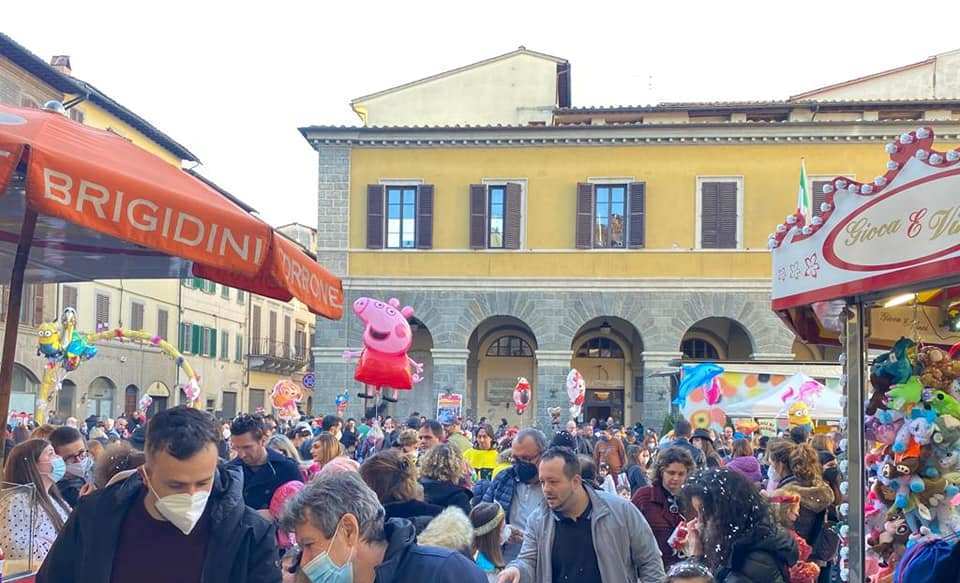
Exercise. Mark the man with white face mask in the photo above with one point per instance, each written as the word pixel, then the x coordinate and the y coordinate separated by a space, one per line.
pixel 180 517
pixel 69 445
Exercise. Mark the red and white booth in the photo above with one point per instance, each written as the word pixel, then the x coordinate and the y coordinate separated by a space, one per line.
pixel 872 246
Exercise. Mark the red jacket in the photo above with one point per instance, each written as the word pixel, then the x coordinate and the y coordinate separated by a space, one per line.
pixel 653 504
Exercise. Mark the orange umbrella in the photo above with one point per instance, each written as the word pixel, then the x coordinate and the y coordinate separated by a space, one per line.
pixel 93 206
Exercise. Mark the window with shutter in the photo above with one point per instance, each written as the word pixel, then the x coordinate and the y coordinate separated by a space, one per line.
pixel 272 333
pixel 212 334
pixel 136 316
pixel 496 213
pixel 198 283
pixel 401 217
pixel 186 338
pixel 512 216
pixel 196 339
pixel 637 229
pixel 719 215
pixel 584 224
pixel 69 297
pixel 818 196
pixel 286 335
pixel 211 288
pixel 239 348
pixel 187 282
pixel 163 319
pixel 37 304
pixel 224 345
pixel 26 305
pixel 241 296
pixel 224 292
pixel 4 298
pixel 478 216
pixel 374 216
pixel 424 226
pixel 255 323
pixel 102 311
pixel 609 218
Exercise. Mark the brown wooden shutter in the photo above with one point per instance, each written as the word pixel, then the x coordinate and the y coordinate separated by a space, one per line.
pixel 512 216
pixel 818 196
pixel 584 216
pixel 425 216
pixel 638 213
pixel 727 215
pixel 478 216
pixel 37 304
pixel 709 209
pixel 374 216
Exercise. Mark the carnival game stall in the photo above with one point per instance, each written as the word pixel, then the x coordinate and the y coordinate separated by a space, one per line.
pixel 876 267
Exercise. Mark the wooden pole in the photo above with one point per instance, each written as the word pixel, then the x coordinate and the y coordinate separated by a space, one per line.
pixel 13 314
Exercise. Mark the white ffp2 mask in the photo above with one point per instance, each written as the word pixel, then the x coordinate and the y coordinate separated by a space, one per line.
pixel 183 510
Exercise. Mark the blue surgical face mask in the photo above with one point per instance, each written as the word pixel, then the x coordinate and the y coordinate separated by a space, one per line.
pixel 322 569
pixel 57 468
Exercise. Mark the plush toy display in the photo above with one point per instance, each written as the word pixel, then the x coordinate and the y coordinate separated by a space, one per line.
pixel 913 425
pixel 387 337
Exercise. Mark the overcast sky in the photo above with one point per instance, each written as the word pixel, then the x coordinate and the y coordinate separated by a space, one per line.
pixel 234 84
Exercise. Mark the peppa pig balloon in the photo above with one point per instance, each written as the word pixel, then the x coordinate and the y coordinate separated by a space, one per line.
pixel 521 395
pixel 386 339
pixel 576 392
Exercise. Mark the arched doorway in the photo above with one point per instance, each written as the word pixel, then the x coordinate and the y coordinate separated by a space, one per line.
pixel 717 339
pixel 25 387
pixel 160 394
pixel 502 349
pixel 66 397
pixel 100 397
pixel 608 352
pixel 131 396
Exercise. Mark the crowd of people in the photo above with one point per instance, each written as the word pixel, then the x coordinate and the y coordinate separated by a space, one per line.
pixel 255 499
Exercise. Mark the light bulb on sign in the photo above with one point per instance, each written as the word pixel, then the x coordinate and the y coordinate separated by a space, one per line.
pixel 899 300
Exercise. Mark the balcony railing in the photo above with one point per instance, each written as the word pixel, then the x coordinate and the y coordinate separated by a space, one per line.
pixel 272 355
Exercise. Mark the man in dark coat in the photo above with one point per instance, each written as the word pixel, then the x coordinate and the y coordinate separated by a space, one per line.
pixel 140 529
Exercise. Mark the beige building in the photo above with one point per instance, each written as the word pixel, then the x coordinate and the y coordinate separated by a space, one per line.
pixel 206 321
pixel 519 87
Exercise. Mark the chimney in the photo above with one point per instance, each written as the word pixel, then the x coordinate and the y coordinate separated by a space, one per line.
pixel 62 64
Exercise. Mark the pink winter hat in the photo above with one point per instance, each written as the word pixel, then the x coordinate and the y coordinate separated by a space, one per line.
pixel 281 495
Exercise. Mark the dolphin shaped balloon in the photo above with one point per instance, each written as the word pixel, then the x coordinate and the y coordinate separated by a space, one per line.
pixel 694 377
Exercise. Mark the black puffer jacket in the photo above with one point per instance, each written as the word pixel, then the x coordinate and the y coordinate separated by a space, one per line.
pixel 764 556
pixel 445 494
pixel 242 547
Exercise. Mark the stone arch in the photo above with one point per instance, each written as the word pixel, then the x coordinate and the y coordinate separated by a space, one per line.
pixel 496 304
pixel 728 337
pixel 588 307
pixel 492 375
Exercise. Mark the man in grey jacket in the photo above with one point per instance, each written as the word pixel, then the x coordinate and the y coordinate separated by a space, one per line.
pixel 580 534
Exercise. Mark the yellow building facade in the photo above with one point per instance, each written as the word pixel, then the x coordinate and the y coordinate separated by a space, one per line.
pixel 613 240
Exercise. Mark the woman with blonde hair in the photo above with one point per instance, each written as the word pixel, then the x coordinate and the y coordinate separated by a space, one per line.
pixel 441 471
pixel 325 448
pixel 407 442
pixel 281 444
pixel 32 512
pixel 392 475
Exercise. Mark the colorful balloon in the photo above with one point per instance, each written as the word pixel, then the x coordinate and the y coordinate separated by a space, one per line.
pixel 694 377
pixel 576 392
pixel 285 397
pixel 521 395
pixel 387 337
pixel 342 400
pixel 63 358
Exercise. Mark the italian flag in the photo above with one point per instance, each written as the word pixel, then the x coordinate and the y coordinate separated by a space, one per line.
pixel 804 200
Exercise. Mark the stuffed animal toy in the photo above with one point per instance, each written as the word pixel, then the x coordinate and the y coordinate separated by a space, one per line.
pixel 910 391
pixel 878 398
pixel 921 429
pixel 939 370
pixel 890 543
pixel 944 404
pixel 900 477
pixel 799 415
pixel 895 365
